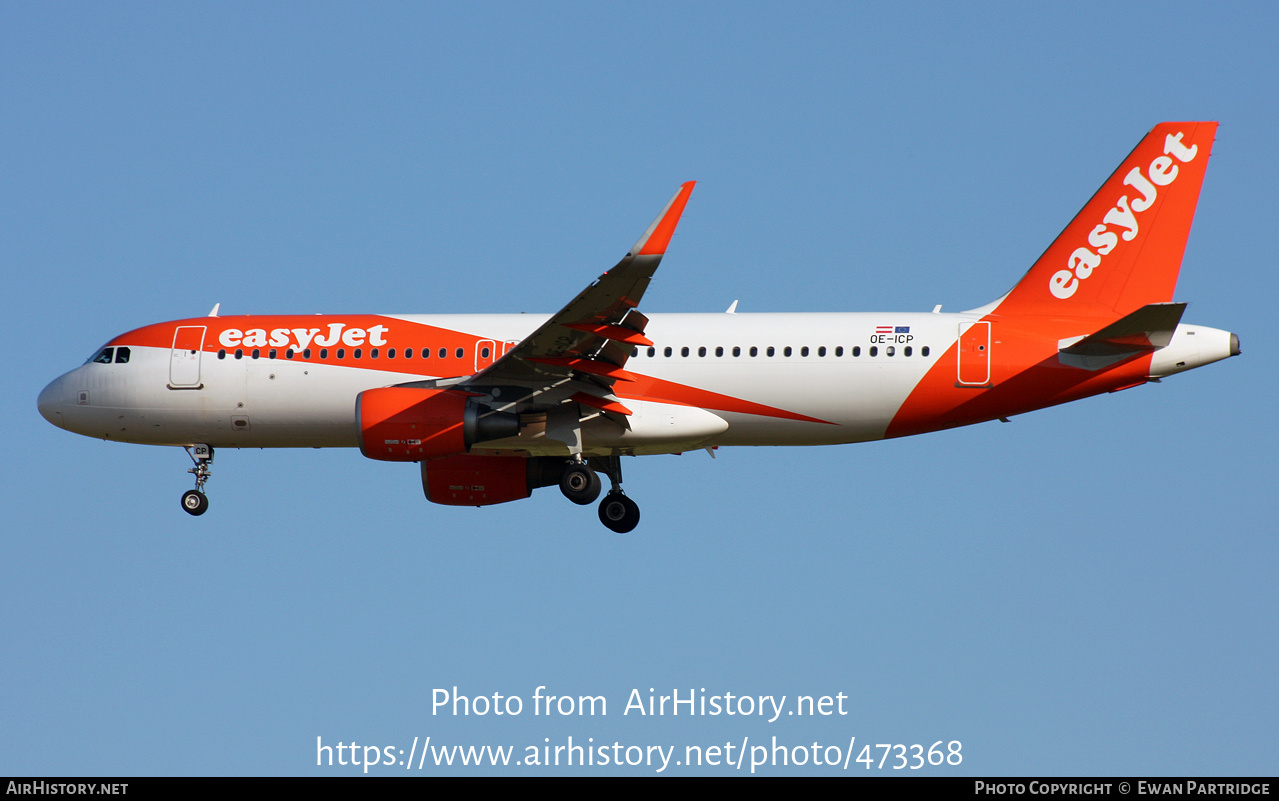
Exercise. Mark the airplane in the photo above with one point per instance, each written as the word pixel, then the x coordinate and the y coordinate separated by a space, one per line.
pixel 494 406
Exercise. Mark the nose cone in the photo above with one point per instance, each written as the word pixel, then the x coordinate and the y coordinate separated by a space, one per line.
pixel 50 402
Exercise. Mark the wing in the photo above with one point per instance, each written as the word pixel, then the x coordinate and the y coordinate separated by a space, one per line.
pixel 581 351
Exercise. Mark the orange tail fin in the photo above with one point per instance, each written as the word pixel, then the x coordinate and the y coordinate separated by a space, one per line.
pixel 1124 249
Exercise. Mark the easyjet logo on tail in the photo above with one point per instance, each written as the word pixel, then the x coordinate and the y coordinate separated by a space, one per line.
pixel 1123 217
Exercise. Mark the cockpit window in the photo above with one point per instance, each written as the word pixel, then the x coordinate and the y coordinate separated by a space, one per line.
pixel 104 356
pixel 121 355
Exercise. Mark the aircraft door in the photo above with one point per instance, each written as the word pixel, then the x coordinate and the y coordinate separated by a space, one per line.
pixel 974 354
pixel 184 358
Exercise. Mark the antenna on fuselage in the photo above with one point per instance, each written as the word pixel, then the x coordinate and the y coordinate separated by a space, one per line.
pixel 214 311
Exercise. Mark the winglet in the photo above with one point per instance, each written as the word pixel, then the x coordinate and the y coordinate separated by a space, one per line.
pixel 658 235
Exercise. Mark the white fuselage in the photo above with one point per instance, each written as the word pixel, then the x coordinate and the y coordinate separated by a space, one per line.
pixel 725 379
pixel 277 402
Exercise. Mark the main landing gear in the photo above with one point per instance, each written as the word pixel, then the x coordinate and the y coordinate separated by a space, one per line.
pixel 195 502
pixel 618 512
pixel 581 485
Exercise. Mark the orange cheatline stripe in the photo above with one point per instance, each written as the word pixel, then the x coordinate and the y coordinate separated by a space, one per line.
pixel 648 388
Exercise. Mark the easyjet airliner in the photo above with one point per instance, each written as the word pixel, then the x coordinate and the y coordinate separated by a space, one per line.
pixel 495 406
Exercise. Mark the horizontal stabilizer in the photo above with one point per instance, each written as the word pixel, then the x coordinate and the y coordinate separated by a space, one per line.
pixel 1149 328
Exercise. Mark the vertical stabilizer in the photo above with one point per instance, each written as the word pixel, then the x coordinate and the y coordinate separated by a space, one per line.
pixel 1123 250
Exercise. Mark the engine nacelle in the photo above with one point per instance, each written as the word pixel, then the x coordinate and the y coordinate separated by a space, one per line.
pixel 485 480
pixel 408 424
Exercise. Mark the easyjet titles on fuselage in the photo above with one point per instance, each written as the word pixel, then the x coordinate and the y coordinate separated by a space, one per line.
pixel 302 338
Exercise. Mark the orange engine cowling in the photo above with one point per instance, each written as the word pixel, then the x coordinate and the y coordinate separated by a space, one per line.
pixel 408 424
pixel 476 480
pixel 485 480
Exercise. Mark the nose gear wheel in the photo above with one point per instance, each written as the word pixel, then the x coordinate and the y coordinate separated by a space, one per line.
pixel 195 502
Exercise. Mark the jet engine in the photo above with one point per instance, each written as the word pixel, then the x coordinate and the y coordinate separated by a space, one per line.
pixel 408 424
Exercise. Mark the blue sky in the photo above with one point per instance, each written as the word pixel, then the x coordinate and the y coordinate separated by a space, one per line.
pixel 1086 590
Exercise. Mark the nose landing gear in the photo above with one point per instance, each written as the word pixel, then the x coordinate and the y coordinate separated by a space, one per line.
pixel 195 502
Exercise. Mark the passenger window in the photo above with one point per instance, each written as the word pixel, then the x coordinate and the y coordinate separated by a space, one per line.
pixel 444 353
pixel 390 353
pixel 803 351
pixel 839 351
pixel 652 351
pixel 874 351
pixel 857 350
pixel 408 353
pixel 683 351
pixel 667 352
pixel 923 351
pixel 719 351
pixel 271 353
pixel 104 356
pixel 737 351
pixel 770 351
pixel 907 350
pixel 821 351
pixel 458 353
pixel 889 351
pixel 754 350
pixel 373 353
pixel 306 353
pixel 222 353
pixel 239 353
pixel 701 351
pixel 786 351
pixel 324 353
pixel 288 354
pixel 634 352
pixel 341 353
pixel 121 355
